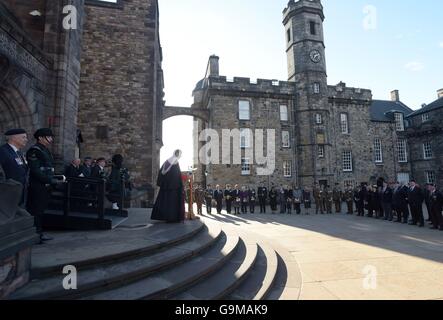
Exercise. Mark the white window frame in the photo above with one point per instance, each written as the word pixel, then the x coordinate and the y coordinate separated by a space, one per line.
pixel 321 151
pixel 425 117
pixel 244 110
pixel 318 118
pixel 245 138
pixel 430 177
pixel 378 150
pixel 427 151
pixel 284 115
pixel 347 161
pixel 316 87
pixel 399 121
pixel 344 123
pixel 287 133
pixel 287 168
pixel 402 153
pixel 245 167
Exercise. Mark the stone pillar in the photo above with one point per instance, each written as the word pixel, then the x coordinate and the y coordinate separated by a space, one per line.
pixel 395 96
pixel 17 235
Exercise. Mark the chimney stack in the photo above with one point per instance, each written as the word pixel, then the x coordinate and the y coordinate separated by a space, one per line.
pixel 440 93
pixel 213 67
pixel 395 96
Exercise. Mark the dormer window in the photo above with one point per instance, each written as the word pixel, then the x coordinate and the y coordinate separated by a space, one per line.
pixel 425 117
pixel 399 121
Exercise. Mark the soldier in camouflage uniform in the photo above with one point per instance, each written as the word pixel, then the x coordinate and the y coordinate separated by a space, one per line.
pixel 337 197
pixel 349 199
pixel 317 193
pixel 328 199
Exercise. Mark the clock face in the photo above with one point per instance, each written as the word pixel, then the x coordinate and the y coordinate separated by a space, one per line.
pixel 315 56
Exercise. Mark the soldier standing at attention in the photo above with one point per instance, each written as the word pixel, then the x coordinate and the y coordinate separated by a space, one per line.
pixel 317 199
pixel 322 199
pixel 199 196
pixel 209 194
pixel 349 199
pixel 262 193
pixel 252 199
pixel 41 179
pixel 228 198
pixel 337 196
pixel 329 199
pixel 218 196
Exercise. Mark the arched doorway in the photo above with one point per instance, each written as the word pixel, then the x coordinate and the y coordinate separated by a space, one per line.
pixel 14 112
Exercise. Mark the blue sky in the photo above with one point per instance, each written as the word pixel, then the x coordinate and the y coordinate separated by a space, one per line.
pixel 404 51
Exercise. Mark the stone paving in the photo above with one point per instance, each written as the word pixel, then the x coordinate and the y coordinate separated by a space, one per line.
pixel 349 257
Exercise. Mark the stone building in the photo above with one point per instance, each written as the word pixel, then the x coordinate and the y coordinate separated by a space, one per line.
pixel 334 134
pixel 425 139
pixel 90 70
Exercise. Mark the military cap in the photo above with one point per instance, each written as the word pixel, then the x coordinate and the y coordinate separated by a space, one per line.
pixel 13 132
pixel 43 132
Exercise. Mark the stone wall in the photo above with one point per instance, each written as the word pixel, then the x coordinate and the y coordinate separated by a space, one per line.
pixel 14 272
pixel 121 90
pixel 419 133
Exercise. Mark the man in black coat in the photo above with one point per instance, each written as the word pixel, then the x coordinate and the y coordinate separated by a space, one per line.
pixel 262 193
pixel 415 199
pixel 86 167
pixel 218 196
pixel 400 203
pixel 12 160
pixel 386 201
pixel 436 207
pixel 98 171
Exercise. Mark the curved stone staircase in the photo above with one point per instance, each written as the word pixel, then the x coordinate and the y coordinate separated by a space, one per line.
pixel 202 263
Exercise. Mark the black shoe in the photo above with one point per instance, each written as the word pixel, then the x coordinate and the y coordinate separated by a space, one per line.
pixel 45 238
pixel 421 225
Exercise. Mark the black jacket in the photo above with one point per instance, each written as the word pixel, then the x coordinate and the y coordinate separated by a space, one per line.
pixel 415 197
pixel 14 165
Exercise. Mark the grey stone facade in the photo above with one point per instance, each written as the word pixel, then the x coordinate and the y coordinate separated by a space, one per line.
pixel 318 138
pixel 103 78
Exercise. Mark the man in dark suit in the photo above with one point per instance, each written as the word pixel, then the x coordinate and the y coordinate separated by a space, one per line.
pixel 98 171
pixel 12 160
pixel 436 207
pixel 73 170
pixel 86 167
pixel 262 194
pixel 415 199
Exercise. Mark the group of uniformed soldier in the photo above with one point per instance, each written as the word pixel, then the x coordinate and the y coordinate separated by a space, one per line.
pixel 384 200
pixel 35 171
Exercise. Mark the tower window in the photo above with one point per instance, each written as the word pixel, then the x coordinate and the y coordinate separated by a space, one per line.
pixel 344 123
pixel 285 137
pixel 245 167
pixel 245 138
pixel 283 113
pixel 318 118
pixel 316 87
pixel 244 110
pixel 321 151
pixel 288 33
pixel 313 28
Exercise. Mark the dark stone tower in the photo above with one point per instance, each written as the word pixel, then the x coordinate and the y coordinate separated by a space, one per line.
pixel 303 21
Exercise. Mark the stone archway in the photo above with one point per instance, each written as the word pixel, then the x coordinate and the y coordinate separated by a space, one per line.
pixel 14 112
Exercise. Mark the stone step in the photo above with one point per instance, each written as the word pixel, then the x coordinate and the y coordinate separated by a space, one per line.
pixel 223 282
pixel 102 249
pixel 262 277
pixel 108 276
pixel 163 284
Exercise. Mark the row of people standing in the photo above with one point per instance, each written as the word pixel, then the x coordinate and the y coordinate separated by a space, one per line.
pixel 245 199
pixel 399 201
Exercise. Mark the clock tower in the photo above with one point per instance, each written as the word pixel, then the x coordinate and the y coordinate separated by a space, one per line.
pixel 305 48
